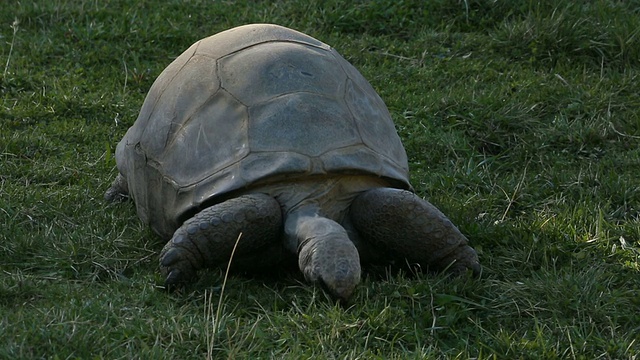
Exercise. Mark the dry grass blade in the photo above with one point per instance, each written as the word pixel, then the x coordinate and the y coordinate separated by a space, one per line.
pixel 211 337
pixel 512 198
pixel 14 26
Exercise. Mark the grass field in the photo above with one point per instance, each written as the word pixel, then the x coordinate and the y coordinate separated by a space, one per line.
pixel 521 121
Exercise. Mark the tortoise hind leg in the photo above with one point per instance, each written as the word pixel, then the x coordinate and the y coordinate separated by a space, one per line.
pixel 207 239
pixel 118 191
pixel 402 224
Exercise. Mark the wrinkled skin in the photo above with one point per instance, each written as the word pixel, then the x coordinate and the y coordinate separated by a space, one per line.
pixel 386 222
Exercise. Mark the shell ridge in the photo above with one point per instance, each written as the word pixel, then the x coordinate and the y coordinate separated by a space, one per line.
pixel 164 89
pixel 284 41
pixel 232 119
pixel 171 138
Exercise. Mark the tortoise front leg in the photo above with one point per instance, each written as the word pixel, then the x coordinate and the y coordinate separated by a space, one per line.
pixel 207 239
pixel 400 223
pixel 118 191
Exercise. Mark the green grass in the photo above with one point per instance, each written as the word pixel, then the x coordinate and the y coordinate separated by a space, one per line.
pixel 521 122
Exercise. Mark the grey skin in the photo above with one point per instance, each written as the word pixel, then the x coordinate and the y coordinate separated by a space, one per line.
pixel 267 134
pixel 329 225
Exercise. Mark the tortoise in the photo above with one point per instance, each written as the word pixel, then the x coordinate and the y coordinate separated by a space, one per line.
pixel 264 142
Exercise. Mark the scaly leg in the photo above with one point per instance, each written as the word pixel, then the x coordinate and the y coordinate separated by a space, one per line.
pixel 402 224
pixel 118 191
pixel 326 255
pixel 207 239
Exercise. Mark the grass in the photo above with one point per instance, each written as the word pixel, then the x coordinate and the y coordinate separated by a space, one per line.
pixel 521 123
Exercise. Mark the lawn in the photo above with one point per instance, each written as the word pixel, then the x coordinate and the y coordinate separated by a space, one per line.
pixel 521 121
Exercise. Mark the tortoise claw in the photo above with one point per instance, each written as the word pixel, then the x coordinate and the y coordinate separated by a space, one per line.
pixel 177 268
pixel 456 269
pixel 119 190
pixel 461 262
pixel 173 278
pixel 170 257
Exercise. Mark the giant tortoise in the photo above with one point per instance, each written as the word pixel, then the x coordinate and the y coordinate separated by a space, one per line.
pixel 265 140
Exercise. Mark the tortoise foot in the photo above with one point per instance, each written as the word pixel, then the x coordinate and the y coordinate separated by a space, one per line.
pixel 403 225
pixel 176 267
pixel 250 224
pixel 118 191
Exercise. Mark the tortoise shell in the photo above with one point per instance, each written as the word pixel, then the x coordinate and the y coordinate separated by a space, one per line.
pixel 253 105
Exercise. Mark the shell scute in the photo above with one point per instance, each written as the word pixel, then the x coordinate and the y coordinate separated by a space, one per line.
pixel 251 105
